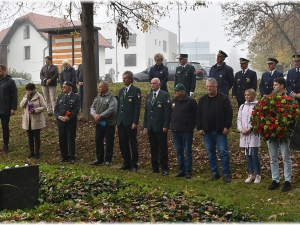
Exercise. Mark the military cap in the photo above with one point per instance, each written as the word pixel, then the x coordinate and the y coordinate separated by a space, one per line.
pixel 296 57
pixel 183 56
pixel 272 60
pixel 68 83
pixel 221 53
pixel 243 60
pixel 179 87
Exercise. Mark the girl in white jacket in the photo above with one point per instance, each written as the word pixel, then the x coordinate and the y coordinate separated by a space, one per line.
pixel 248 140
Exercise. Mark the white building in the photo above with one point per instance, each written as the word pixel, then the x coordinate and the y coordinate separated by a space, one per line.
pixel 142 47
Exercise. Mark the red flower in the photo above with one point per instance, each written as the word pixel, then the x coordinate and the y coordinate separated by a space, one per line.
pixel 259 130
pixel 272 119
pixel 275 125
pixel 260 115
pixel 294 113
pixel 280 135
pixel 285 114
pixel 288 98
pixel 261 125
pixel 254 112
pixel 260 108
pixel 294 105
pixel 279 109
pixel 271 126
pixel 286 106
pixel 282 128
pixel 268 113
pixel 267 134
pixel 277 103
pixel 254 123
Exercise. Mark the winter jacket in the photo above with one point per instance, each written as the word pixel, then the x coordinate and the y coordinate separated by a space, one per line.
pixel 51 73
pixel 36 119
pixel 162 73
pixel 224 76
pixel 8 95
pixel 243 122
pixel 69 75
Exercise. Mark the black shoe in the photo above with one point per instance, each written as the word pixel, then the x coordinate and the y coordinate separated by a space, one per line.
pixel 188 175
pixel 107 163
pixel 180 174
pixel 214 177
pixel 164 172
pixel 5 149
pixel 124 168
pixel 36 156
pixel 71 161
pixel 155 171
pixel 95 163
pixel 31 155
pixel 63 160
pixel 286 186
pixel 273 185
pixel 133 169
pixel 49 114
pixel 227 178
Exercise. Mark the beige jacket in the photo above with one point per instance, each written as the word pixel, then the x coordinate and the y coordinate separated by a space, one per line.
pixel 37 119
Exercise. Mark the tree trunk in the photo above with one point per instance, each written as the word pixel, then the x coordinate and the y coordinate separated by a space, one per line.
pixel 88 58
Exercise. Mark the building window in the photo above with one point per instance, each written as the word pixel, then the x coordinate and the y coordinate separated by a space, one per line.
pixel 159 43
pixel 155 42
pixel 132 40
pixel 108 61
pixel 27 52
pixel 164 46
pixel 109 40
pixel 26 32
pixel 130 59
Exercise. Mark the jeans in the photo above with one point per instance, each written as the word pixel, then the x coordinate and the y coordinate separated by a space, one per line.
pixel 253 160
pixel 183 144
pixel 211 140
pixel 286 157
pixel 50 97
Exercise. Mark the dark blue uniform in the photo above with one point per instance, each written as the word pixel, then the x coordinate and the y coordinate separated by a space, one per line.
pixel 162 73
pixel 242 82
pixel 224 76
pixel 293 82
pixel 266 82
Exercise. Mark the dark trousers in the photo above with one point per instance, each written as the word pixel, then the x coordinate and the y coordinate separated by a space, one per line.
pixel 81 96
pixel 109 133
pixel 159 149
pixel 126 136
pixel 5 128
pixel 67 137
pixel 34 139
pixel 240 103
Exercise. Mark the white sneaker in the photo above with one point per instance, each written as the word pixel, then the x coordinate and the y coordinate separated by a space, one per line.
pixel 257 179
pixel 250 179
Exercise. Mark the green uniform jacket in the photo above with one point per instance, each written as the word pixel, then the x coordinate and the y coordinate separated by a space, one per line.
pixel 129 106
pixel 158 115
pixel 186 76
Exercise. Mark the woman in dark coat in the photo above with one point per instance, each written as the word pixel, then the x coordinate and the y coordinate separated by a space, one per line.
pixel 160 71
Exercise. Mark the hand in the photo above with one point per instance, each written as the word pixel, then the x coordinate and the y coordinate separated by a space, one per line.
pixel 31 111
pixel 80 83
pixel 191 94
pixel 12 112
pixel 145 130
pixel 234 97
pixel 165 129
pixel 225 131
pixel 297 95
pixel 48 82
pixel 293 95
pixel 201 132
pixel 97 118
pixel 133 126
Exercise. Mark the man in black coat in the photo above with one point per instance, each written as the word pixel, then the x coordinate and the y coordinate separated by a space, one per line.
pixel 156 122
pixel 183 121
pixel 8 103
pixel 66 111
pixel 129 107
pixel 243 80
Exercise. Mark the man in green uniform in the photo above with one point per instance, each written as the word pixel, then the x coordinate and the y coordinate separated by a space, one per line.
pixel 185 74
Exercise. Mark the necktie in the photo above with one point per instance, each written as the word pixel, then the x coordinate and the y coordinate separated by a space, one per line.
pixel 153 98
pixel 243 72
pixel 270 74
pixel 297 70
pixel 125 92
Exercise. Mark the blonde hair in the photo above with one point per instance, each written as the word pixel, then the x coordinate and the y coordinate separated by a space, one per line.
pixel 65 61
pixel 159 56
pixel 252 92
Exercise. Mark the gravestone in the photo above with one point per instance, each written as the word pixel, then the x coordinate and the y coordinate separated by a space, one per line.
pixel 19 187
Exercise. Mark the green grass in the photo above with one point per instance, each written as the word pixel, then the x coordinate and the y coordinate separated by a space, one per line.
pixel 253 200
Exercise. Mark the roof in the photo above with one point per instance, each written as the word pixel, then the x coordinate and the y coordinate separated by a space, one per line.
pixel 39 21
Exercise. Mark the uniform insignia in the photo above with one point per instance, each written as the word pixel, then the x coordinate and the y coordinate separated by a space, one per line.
pixel 248 79
pixel 160 71
pixel 60 101
pixel 173 105
pixel 106 101
pixel 186 74
pixel 159 106
pixel 130 100
pixel 138 95
pixel 221 76
pixel 178 72
pixel 168 101
pixel 238 80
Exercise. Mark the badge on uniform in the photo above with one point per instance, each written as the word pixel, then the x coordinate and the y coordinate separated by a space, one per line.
pixel 238 80
pixel 159 105
pixel 130 100
pixel 160 71
pixel 138 95
pixel 186 74
pixel 60 101
pixel 248 79
pixel 221 76
pixel 178 72
pixel 173 105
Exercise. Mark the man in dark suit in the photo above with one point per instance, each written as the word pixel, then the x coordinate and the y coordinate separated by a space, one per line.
pixel 186 75
pixel 267 79
pixel 156 122
pixel 66 111
pixel 243 80
pixel 129 107
pixel 293 79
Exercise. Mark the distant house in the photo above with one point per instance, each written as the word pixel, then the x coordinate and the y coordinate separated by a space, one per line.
pixel 23 46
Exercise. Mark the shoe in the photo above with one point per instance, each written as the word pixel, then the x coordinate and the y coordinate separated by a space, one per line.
pixel 95 163
pixel 124 168
pixel 286 186
pixel 155 171
pixel 63 160
pixel 31 155
pixel 227 178
pixel 5 149
pixel 133 169
pixel 180 174
pixel 49 114
pixel 164 172
pixel 107 163
pixel 71 161
pixel 257 179
pixel 188 175
pixel 36 155
pixel 273 185
pixel 215 177
pixel 250 178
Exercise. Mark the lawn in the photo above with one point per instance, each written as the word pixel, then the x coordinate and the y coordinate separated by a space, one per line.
pixel 98 193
